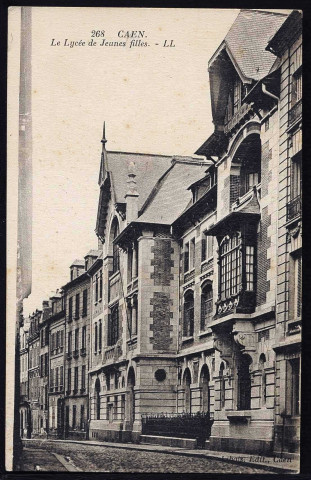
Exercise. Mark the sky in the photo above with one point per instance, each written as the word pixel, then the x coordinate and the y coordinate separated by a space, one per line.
pixel 154 99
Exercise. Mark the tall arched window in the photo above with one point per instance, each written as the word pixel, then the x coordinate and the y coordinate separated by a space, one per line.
pixel 206 305
pixel 244 383
pixel 97 399
pixel 205 392
pixel 222 386
pixel 262 361
pixel 187 394
pixel 188 314
pixel 115 248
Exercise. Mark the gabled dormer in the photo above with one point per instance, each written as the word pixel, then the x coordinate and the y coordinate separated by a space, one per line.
pixel 238 64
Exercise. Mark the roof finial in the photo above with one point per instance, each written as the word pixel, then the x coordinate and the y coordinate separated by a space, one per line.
pixel 103 140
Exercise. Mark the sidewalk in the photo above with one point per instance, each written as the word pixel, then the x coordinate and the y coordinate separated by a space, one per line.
pixel 274 464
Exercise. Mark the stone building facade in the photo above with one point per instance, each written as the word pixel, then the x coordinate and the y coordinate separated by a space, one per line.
pixel 191 306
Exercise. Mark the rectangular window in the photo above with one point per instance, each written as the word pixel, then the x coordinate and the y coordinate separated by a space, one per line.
pixel 192 253
pixel 129 265
pixel 84 338
pixel 100 293
pixel 77 305
pixel 298 285
pixel 70 309
pixel 42 366
pixel 82 423
pixel 230 267
pixel 186 257
pixel 296 87
pixel 96 288
pixel 46 363
pixel 62 338
pixel 236 94
pixel 249 266
pixel 76 339
pixel 69 380
pixel 52 378
pixel 113 326
pixel 84 307
pixel 57 377
pixel 293 386
pixel 57 339
pixel 69 342
pixel 61 377
pixel 74 416
pixel 204 247
pixel 95 338
pixel 76 378
pixel 100 335
pixel 83 375
pixel 296 178
pixel 210 246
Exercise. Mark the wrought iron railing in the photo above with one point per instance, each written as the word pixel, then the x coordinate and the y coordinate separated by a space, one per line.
pixel 181 425
pixel 294 208
pixel 295 112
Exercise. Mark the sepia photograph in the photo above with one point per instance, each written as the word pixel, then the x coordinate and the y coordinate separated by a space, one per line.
pixel 154 239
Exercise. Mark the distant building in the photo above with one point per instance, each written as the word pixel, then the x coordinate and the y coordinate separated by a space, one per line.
pixel 57 352
pixel 34 373
pixel 77 294
pixel 44 368
pixel 24 407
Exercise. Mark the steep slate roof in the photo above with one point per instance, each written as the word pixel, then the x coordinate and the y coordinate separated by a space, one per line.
pixel 247 39
pixel 172 196
pixel 92 253
pixel 148 168
pixel 77 263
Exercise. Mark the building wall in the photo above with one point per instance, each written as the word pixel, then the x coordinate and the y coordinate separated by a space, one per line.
pixel 288 329
pixel 77 358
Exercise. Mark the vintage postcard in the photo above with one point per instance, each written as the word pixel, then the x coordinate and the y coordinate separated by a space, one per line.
pixel 154 240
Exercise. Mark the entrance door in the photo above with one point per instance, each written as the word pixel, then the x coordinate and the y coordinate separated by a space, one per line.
pixel 60 418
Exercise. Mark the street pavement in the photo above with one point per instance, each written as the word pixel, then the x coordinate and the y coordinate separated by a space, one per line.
pixel 92 456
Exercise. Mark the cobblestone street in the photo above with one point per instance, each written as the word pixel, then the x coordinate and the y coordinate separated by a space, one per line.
pixel 90 458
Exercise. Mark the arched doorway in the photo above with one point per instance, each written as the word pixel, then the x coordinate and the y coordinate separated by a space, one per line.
pixel 205 391
pixel 187 391
pixel 97 399
pixel 131 397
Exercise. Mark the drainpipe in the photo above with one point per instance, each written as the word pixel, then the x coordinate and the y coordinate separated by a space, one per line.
pixel 264 89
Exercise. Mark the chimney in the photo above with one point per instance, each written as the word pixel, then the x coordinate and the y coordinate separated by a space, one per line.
pixel 132 195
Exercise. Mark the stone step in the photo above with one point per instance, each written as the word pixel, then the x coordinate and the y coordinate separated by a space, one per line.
pixel 189 443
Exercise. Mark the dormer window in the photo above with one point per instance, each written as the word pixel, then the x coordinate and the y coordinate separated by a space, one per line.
pixel 237 92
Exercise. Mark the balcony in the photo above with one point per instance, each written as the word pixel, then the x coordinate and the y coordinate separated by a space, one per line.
pixel 83 352
pixel 237 120
pixel 242 302
pixel 69 355
pixel 76 353
pixel 189 276
pixel 295 113
pixel 294 208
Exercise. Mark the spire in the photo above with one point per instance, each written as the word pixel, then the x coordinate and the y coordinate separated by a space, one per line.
pixel 103 140
pixel 103 161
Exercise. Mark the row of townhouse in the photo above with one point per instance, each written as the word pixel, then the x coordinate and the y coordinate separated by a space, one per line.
pixel 190 309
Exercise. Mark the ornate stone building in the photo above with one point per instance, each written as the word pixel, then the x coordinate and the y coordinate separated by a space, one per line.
pixel 190 309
